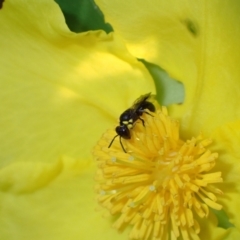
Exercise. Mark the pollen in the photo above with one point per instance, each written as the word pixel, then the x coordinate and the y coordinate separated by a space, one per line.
pixel 162 185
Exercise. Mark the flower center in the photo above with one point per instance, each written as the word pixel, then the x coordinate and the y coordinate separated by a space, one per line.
pixel 161 184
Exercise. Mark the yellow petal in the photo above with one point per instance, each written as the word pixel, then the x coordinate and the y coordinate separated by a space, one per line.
pixel 226 142
pixel 196 42
pixel 227 139
pixel 211 231
pixel 61 208
pixel 59 90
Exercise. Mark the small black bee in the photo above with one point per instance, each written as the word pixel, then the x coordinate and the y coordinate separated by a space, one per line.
pixel 131 115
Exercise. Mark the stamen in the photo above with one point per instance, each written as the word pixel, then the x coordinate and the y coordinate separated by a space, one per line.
pixel 161 183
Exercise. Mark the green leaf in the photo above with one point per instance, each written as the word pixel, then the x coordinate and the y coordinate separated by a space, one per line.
pixel 83 15
pixel 223 221
pixel 169 91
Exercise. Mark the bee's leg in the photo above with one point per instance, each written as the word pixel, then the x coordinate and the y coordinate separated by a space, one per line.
pixel 143 123
pixel 148 113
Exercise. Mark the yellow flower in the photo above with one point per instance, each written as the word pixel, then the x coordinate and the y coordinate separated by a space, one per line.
pixel 197 44
pixel 59 92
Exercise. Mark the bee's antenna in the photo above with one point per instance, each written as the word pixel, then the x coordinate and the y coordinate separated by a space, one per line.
pixel 120 139
pixel 113 141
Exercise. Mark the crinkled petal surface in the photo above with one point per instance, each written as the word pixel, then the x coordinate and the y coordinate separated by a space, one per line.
pixel 196 42
pixel 63 88
pixel 59 92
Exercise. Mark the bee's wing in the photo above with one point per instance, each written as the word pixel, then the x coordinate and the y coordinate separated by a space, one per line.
pixel 141 99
